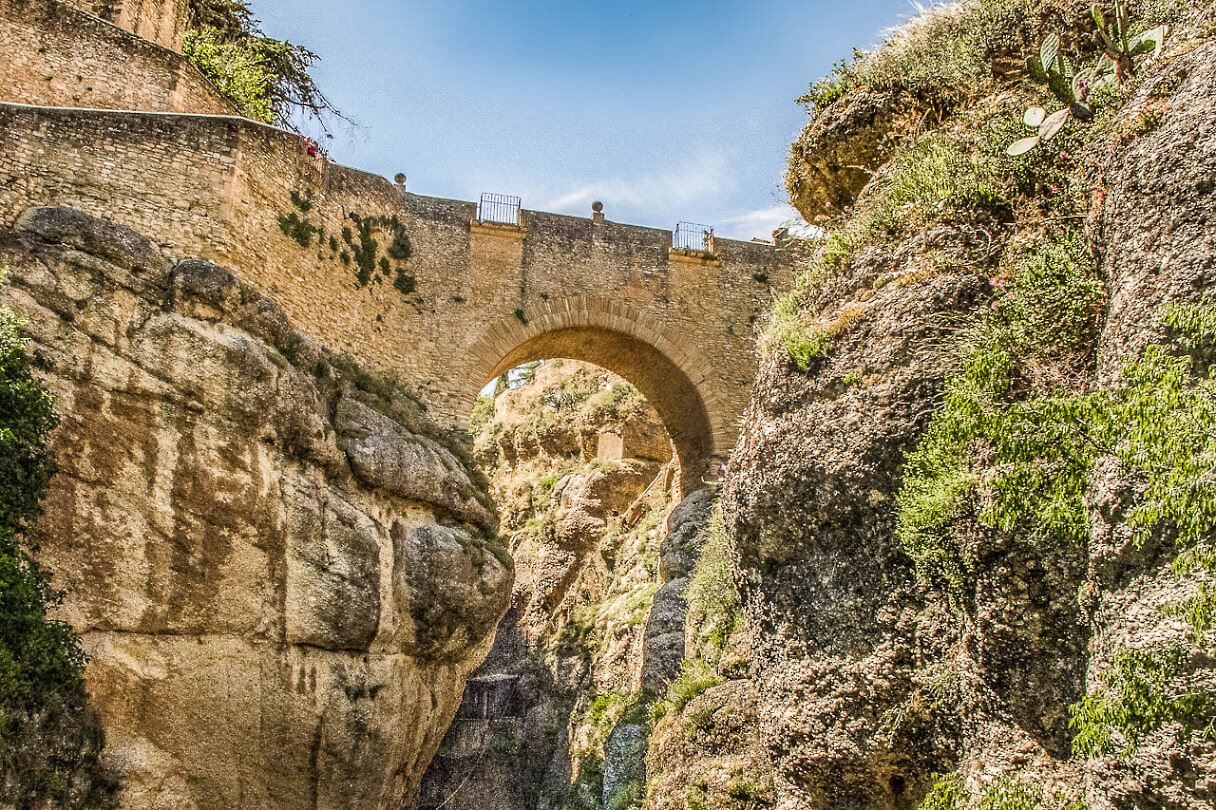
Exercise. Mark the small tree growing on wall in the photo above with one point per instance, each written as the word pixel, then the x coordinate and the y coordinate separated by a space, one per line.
pixel 267 79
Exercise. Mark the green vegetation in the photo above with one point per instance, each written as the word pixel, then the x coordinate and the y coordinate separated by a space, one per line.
pixel 50 741
pixel 1075 89
pixel 1046 312
pixel 740 794
pixel 954 54
pixel 369 264
pixel 832 87
pixel 483 414
pixel 1138 695
pixel 300 230
pixel 266 79
pixel 1009 793
pixel 714 609
pixel 937 180
pixel 1021 427
pixel 943 58
pixel 696 675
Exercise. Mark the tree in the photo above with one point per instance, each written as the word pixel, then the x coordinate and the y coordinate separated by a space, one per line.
pixel 267 79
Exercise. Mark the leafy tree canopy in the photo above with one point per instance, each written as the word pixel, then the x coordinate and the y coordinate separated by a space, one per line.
pixel 267 79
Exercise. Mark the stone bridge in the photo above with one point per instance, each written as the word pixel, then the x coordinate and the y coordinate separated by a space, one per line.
pixel 473 299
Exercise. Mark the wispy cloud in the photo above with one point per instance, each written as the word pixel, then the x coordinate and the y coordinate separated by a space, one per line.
pixel 759 223
pixel 704 176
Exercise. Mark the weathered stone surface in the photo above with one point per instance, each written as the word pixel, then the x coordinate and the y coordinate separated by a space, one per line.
pixel 266 629
pixel 1154 223
pixel 625 763
pixel 840 150
pixel 664 644
pixel 838 626
pixel 723 755
pixel 384 455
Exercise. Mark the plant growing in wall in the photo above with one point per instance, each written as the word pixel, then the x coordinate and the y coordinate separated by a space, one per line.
pixel 365 249
pixel 297 227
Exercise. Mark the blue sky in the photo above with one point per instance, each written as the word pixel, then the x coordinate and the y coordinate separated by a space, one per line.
pixel 666 111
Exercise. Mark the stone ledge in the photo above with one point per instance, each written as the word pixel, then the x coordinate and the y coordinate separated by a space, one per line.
pixel 698 258
pixel 498 229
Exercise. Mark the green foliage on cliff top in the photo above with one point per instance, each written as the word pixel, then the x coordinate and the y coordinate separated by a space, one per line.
pixel 266 79
pixel 49 740
pixel 937 180
pixel 953 53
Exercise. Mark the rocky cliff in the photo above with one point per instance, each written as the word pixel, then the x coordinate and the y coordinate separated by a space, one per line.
pixel 556 717
pixel 281 570
pixel 970 516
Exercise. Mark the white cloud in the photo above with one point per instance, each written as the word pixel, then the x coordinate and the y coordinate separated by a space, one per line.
pixel 702 177
pixel 759 223
pixel 763 222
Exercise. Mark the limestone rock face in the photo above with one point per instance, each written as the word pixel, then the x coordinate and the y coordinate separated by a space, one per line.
pixel 1155 221
pixel 281 580
pixel 664 644
pixel 840 149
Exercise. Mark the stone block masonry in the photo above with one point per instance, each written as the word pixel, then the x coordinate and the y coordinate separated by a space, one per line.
pixel 483 299
pixel 57 55
pixel 160 21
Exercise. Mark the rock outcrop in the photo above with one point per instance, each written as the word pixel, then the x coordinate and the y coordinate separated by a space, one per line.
pixel 873 684
pixel 281 571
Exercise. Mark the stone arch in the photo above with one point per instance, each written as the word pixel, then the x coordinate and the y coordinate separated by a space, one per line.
pixel 631 343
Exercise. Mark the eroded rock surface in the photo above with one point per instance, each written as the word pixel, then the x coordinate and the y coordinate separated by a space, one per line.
pixel 282 581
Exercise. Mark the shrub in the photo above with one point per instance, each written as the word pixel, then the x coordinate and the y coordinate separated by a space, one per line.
pixel 944 56
pixel 833 86
pixel 483 414
pixel 804 343
pixel 235 71
pixel 1139 694
pixel 714 605
pixel 695 677
pixel 1037 456
pixel 946 794
pixel 50 743
pixel 400 248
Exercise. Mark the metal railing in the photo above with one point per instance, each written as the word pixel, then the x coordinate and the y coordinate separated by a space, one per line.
pixel 691 236
pixel 502 209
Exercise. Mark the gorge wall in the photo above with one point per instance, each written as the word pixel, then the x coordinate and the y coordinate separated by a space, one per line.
pixel 582 471
pixel 922 631
pixel 282 571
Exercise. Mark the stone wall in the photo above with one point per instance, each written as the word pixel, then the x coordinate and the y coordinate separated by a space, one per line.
pixel 57 55
pixel 160 21
pixel 679 327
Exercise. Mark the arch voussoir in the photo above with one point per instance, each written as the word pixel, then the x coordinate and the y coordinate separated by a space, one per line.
pixel 631 342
